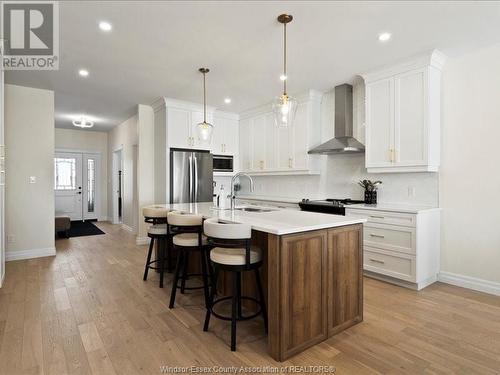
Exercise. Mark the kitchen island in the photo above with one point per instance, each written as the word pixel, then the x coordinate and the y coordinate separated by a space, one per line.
pixel 313 269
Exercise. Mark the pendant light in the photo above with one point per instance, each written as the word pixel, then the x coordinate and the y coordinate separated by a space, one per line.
pixel 284 106
pixel 204 128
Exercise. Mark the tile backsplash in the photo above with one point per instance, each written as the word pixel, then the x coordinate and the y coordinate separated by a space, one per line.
pixel 338 179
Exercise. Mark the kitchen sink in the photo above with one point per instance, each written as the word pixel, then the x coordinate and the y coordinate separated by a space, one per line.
pixel 254 209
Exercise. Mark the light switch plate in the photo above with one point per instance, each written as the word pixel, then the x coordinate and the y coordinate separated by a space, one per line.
pixel 32 179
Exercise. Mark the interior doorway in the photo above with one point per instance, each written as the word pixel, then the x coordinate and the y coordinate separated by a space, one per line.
pixel 77 185
pixel 117 186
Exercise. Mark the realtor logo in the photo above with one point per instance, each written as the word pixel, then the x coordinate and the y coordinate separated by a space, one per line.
pixel 30 35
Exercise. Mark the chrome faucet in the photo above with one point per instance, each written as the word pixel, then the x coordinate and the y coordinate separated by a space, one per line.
pixel 233 196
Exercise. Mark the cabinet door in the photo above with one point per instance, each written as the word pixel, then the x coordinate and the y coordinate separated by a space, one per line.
pixel 268 138
pixel 258 125
pixel 345 277
pixel 231 137
pixel 303 302
pixel 179 126
pixel 196 118
pixel 217 144
pixel 380 123
pixel 300 141
pixel 410 130
pixel 284 148
pixel 246 145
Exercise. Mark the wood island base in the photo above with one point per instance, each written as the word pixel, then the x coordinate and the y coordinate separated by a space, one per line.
pixel 314 286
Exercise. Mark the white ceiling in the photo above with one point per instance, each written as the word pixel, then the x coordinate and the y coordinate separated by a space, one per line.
pixel 155 49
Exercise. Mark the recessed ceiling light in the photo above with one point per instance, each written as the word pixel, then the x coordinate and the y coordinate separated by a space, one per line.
pixel 227 100
pixel 283 77
pixel 83 122
pixel 384 37
pixel 105 26
pixel 83 72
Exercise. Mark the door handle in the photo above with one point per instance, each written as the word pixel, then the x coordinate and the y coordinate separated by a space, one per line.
pixel 195 179
pixel 377 235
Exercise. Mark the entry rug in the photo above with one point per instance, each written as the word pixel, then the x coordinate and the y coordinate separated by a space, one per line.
pixel 83 228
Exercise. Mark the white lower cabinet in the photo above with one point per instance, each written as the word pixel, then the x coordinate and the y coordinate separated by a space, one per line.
pixel 402 248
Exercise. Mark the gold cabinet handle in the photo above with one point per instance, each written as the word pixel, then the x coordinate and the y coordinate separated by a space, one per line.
pixel 376 235
pixel 261 164
pixel 377 261
pixel 377 217
pixel 290 163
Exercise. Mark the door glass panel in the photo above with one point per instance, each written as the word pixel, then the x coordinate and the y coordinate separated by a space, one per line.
pixel 90 185
pixel 65 173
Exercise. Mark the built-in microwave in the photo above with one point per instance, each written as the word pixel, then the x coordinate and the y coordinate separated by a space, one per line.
pixel 223 163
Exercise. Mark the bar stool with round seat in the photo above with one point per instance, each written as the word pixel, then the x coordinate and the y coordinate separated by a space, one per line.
pixel 187 237
pixel 158 232
pixel 232 252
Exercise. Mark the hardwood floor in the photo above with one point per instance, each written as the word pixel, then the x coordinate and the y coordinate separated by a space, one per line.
pixel 87 310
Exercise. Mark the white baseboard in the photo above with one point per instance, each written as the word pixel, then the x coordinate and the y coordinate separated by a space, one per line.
pixel 103 218
pixel 30 254
pixel 142 240
pixel 468 282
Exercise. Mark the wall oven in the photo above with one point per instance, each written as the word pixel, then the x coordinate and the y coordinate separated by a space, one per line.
pixel 223 163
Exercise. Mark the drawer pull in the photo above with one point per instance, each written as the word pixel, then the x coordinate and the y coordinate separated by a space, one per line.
pixel 377 261
pixel 377 217
pixel 377 235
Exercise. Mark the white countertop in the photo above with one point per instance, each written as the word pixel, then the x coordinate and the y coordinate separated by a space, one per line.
pixel 393 207
pixel 277 221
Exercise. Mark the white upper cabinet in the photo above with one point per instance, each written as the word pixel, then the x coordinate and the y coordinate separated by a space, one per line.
pixel 403 116
pixel 380 128
pixel 267 149
pixel 225 138
pixel 181 120
pixel 179 134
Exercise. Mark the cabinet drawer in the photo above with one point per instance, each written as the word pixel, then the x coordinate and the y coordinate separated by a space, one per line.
pixel 390 237
pixel 400 266
pixel 384 217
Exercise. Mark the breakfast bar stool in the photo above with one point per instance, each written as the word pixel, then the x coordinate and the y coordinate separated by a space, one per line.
pixel 156 232
pixel 232 253
pixel 157 214
pixel 187 232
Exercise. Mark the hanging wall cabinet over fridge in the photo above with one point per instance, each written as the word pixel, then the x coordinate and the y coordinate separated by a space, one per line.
pixel 403 113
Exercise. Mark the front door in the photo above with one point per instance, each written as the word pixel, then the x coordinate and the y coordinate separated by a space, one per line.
pixel 68 185
pixel 77 184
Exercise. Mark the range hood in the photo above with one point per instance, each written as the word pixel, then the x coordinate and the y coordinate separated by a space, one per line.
pixel 343 142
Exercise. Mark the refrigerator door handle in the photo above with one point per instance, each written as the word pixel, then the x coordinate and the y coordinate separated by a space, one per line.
pixel 195 179
pixel 190 158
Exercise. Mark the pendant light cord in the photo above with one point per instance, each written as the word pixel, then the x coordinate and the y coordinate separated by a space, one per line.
pixel 284 59
pixel 204 99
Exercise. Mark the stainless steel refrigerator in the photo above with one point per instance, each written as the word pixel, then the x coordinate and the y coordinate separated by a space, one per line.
pixel 191 176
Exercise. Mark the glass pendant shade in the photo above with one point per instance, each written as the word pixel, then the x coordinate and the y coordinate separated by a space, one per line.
pixel 205 131
pixel 284 109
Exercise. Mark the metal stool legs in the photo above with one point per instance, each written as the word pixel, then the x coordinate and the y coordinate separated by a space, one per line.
pixel 160 262
pixel 181 273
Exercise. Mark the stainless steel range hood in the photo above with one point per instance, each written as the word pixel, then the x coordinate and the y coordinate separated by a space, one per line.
pixel 343 142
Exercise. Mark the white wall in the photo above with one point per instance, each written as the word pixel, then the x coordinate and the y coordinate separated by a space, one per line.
pixel 124 136
pixel 470 170
pixel 29 138
pixel 89 141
